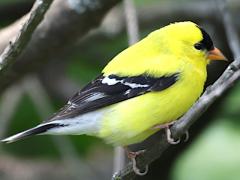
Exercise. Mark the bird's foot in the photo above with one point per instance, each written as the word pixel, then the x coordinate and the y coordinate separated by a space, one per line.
pixel 132 156
pixel 166 126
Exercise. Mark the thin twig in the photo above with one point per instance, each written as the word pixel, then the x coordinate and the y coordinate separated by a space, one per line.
pixel 232 34
pixel 133 37
pixel 119 159
pixel 226 80
pixel 131 21
pixel 9 102
pixel 15 48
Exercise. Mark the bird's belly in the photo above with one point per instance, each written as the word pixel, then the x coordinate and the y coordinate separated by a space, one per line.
pixel 131 121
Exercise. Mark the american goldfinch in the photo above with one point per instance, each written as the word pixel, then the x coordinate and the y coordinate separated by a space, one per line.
pixel 149 84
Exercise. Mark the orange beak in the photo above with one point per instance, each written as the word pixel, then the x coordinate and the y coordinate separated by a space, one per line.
pixel 216 54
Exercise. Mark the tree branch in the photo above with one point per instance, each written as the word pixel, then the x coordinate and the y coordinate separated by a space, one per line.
pixel 64 24
pixel 14 49
pixel 213 92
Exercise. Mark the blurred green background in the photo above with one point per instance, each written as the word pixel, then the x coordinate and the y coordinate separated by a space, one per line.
pixel 214 154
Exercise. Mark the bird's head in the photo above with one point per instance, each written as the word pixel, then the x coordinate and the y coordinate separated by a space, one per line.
pixel 190 39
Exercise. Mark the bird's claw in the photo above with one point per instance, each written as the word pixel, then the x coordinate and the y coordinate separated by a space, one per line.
pixel 168 132
pixel 173 141
pixel 137 170
pixel 170 140
pixel 132 155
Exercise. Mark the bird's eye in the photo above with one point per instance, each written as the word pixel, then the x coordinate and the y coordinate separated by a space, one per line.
pixel 199 46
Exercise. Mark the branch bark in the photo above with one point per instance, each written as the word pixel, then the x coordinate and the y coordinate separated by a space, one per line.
pixel 64 23
pixel 15 48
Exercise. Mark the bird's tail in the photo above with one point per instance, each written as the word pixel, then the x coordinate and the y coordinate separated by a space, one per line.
pixel 40 129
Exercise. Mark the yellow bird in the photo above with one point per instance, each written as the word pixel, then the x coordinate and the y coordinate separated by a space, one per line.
pixel 149 84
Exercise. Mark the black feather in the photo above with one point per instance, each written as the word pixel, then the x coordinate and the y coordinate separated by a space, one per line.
pixel 33 131
pixel 206 41
pixel 97 94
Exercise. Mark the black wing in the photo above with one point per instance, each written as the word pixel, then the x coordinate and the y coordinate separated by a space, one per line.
pixel 104 91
